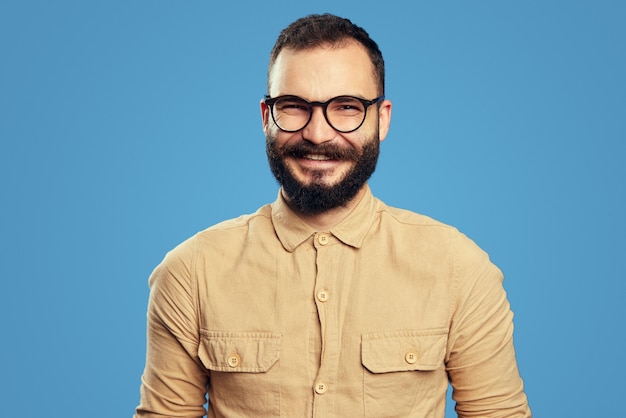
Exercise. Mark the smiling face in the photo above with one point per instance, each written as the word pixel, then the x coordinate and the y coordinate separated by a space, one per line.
pixel 319 167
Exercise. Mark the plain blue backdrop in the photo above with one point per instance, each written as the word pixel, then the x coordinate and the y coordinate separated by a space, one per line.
pixel 127 126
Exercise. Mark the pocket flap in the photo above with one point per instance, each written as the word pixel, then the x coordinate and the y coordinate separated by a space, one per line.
pixel 404 350
pixel 254 352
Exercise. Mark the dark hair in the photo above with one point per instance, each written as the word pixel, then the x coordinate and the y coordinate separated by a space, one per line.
pixel 316 30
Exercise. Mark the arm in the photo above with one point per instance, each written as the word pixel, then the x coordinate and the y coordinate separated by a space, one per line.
pixel 174 382
pixel 481 358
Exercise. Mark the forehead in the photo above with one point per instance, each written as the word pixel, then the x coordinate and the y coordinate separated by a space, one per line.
pixel 323 72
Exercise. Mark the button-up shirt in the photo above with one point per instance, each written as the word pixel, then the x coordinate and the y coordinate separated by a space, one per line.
pixel 372 318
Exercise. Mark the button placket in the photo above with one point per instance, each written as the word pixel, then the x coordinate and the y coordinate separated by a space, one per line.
pixel 324 243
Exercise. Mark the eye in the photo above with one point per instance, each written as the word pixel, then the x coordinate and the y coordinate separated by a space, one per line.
pixel 347 105
pixel 292 105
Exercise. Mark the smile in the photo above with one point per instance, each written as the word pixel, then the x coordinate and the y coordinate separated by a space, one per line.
pixel 317 157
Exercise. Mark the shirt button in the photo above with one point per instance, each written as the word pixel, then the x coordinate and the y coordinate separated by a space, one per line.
pixel 321 388
pixel 322 238
pixel 322 295
pixel 234 360
pixel 410 357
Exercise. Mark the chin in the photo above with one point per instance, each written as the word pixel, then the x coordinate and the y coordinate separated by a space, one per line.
pixel 321 178
pixel 326 183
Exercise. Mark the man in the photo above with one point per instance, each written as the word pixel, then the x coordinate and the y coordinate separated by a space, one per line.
pixel 327 302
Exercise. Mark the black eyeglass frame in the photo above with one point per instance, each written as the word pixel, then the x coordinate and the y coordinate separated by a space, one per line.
pixel 270 101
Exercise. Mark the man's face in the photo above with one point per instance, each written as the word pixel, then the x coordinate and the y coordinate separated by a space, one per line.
pixel 318 167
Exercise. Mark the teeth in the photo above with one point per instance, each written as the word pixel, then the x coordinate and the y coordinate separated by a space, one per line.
pixel 317 157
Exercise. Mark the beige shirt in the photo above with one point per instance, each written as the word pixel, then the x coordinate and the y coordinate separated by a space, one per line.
pixel 369 318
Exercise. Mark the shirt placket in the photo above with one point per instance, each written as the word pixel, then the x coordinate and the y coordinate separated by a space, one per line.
pixel 324 388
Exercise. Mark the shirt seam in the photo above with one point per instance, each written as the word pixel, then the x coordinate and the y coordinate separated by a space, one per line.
pixel 195 289
pixel 453 285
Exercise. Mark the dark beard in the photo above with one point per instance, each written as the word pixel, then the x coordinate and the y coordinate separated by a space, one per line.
pixel 316 198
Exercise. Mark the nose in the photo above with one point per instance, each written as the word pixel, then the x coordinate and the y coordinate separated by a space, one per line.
pixel 318 130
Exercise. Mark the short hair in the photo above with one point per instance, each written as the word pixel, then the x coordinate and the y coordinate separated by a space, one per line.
pixel 317 30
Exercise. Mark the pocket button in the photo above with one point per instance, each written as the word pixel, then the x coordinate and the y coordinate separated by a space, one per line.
pixel 410 357
pixel 234 360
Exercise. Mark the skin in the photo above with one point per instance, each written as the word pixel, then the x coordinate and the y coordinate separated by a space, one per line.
pixel 319 74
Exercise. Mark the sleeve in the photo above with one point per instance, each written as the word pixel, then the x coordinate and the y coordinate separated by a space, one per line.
pixel 174 381
pixel 481 359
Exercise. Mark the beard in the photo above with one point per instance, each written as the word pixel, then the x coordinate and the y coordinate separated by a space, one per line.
pixel 317 197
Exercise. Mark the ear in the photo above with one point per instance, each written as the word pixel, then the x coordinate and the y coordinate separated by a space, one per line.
pixel 384 119
pixel 265 116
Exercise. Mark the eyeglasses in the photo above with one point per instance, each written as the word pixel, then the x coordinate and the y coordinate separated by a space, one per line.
pixel 343 113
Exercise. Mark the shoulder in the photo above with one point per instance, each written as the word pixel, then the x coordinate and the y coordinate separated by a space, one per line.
pixel 221 237
pixel 410 221
pixel 434 233
pixel 238 225
pixel 410 218
pixel 213 243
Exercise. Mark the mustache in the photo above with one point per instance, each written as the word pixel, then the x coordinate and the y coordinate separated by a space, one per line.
pixel 332 151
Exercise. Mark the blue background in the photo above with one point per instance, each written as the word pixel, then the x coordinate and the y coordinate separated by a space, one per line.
pixel 127 126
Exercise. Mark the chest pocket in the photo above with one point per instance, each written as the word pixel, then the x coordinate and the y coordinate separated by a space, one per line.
pixel 403 372
pixel 245 364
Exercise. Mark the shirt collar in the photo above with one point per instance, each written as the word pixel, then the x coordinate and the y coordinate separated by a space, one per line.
pixel 292 231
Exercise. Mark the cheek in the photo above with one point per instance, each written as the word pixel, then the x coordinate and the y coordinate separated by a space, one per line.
pixel 281 138
pixel 364 135
pixel 272 133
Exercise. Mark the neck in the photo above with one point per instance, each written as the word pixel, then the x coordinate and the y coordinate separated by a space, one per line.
pixel 326 220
